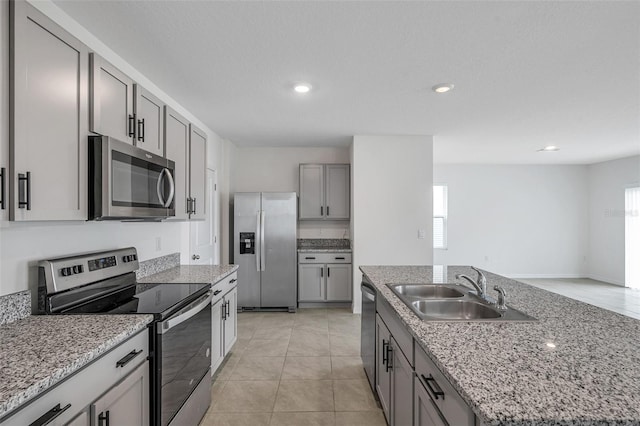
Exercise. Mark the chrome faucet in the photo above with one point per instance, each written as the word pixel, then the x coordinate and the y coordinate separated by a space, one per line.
pixel 480 285
pixel 502 296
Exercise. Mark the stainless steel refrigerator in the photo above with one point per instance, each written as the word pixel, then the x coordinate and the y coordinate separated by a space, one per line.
pixel 265 248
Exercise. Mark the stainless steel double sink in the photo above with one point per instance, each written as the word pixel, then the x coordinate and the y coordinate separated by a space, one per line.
pixel 452 302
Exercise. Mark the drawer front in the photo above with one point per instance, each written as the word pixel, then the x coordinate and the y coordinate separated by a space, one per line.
pixel 224 286
pixel 396 327
pixel 324 257
pixel 444 396
pixel 86 385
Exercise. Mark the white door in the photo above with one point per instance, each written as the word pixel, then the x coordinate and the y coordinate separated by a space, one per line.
pixel 203 236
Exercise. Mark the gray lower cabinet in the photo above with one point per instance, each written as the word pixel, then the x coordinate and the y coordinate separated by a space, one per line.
pixel 112 110
pixel 217 335
pixel 426 412
pixel 394 378
pixel 324 277
pixel 127 403
pixel 230 320
pixel 224 319
pixel 49 121
pixel 324 192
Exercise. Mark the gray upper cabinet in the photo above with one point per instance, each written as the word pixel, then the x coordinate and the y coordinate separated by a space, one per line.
pixel 149 117
pixel 49 119
pixel 176 146
pixel 111 101
pixel 197 173
pixel 4 117
pixel 324 192
pixel 338 198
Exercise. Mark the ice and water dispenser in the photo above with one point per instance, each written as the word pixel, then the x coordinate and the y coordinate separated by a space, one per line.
pixel 247 242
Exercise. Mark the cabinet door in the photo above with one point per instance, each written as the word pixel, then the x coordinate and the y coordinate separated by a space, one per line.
pixel 338 189
pixel 149 121
pixel 230 322
pixel 425 411
pixel 311 284
pixel 4 116
pixel 217 344
pixel 383 367
pixel 127 403
pixel 49 101
pixel 198 173
pixel 401 388
pixel 311 191
pixel 176 148
pixel 338 282
pixel 111 101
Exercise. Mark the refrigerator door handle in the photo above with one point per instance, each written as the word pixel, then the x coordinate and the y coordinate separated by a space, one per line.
pixel 258 245
pixel 263 260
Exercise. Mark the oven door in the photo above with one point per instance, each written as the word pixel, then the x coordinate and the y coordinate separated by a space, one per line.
pixel 129 183
pixel 183 359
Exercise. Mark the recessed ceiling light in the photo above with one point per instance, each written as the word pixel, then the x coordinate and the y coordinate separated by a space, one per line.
pixel 302 87
pixel 442 87
pixel 549 148
pixel 551 345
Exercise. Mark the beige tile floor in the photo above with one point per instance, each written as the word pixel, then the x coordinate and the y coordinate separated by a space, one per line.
pixel 301 369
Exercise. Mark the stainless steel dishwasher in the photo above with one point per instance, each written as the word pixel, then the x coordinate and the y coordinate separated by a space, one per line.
pixel 368 332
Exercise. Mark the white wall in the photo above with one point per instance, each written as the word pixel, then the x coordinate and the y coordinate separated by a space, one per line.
pixel 392 179
pixel 607 182
pixel 520 221
pixel 23 244
pixel 276 169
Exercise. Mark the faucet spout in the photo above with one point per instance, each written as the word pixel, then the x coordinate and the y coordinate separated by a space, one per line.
pixel 476 287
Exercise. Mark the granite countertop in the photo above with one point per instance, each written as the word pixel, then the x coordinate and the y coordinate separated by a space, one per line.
pixel 37 352
pixel 324 250
pixel 188 274
pixel 324 245
pixel 508 374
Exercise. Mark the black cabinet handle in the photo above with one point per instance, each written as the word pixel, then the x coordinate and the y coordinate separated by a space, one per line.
pixel 328 272
pixel 321 211
pixel 224 311
pixel 24 190
pixel 128 357
pixel 141 130
pixel 50 415
pixel 103 418
pixel 233 281
pixel 195 208
pixel 321 272
pixel 327 210
pixel 385 344
pixel 132 125
pixel 217 292
pixel 310 258
pixel 3 173
pixel 436 390
pixel 389 359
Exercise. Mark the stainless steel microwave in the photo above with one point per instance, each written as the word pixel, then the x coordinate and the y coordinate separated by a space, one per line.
pixel 128 183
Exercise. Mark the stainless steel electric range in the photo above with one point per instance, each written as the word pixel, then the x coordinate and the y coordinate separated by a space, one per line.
pixel 180 334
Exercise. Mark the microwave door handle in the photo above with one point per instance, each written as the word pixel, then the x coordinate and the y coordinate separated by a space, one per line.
pixel 172 188
pixel 159 187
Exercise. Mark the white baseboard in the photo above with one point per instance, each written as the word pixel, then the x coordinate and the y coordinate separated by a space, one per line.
pixel 606 280
pixel 547 276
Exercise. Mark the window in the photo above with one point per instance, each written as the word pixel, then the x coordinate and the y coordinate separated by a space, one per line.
pixel 632 237
pixel 440 217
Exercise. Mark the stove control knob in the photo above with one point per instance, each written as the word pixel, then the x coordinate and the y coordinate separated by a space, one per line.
pixel 65 272
pixel 77 269
pixel 125 259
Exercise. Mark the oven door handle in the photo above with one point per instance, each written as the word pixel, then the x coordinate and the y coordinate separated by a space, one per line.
pixel 187 313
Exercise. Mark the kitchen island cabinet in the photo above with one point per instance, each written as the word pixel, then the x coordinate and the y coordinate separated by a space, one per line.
pixel 556 370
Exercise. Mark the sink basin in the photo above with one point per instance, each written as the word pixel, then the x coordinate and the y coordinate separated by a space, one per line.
pixel 426 291
pixel 455 310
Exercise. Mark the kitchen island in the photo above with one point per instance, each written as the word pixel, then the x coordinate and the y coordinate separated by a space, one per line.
pixel 576 365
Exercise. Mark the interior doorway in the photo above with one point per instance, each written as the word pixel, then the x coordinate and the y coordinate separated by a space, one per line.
pixel 632 237
pixel 203 234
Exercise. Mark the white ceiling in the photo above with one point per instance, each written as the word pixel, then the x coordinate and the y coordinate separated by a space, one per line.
pixel 527 74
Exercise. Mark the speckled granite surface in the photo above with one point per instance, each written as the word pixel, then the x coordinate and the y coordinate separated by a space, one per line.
pixel 187 274
pixel 39 351
pixel 508 374
pixel 159 264
pixel 321 245
pixel 14 307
